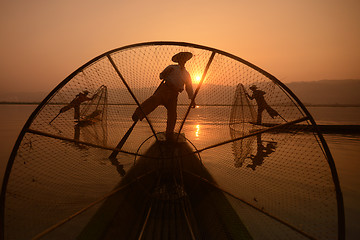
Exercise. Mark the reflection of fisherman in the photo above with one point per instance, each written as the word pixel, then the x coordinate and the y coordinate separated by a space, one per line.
pixel 261 153
pixel 258 95
pixel 77 137
pixel 175 77
pixel 75 103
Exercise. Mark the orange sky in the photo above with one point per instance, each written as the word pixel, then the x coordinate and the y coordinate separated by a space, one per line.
pixel 42 42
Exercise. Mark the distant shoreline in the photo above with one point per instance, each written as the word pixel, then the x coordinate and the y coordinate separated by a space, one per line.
pixel 19 103
pixel 307 105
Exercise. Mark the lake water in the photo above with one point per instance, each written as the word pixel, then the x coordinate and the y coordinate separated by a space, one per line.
pixel 344 148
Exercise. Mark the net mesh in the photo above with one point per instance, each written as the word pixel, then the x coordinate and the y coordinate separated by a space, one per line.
pixel 275 175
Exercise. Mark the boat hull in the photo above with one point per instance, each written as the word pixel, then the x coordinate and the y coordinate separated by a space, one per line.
pixel 171 197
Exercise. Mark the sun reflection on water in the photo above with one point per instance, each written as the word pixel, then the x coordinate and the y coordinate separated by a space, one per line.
pixel 197 131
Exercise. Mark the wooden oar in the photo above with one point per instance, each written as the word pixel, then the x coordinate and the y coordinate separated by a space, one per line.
pixel 282 117
pixel 122 141
pixel 54 118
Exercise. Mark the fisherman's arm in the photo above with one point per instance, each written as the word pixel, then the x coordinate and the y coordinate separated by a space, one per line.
pixel 250 97
pixel 86 98
pixel 189 90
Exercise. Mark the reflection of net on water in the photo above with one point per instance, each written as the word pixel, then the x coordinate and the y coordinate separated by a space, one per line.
pixel 274 179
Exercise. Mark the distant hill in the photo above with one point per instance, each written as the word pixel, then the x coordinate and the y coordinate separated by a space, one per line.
pixel 324 92
pixel 327 92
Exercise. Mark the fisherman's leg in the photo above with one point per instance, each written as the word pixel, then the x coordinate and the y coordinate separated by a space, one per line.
pixel 272 112
pixel 77 132
pixel 259 115
pixel 147 107
pixel 171 122
pixel 171 107
pixel 77 113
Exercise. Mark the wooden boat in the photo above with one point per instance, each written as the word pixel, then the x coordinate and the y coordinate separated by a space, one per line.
pixel 107 177
pixel 170 196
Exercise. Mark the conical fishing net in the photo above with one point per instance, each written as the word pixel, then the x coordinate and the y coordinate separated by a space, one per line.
pixel 265 158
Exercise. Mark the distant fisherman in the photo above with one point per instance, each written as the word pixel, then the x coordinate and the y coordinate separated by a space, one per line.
pixel 258 95
pixel 75 103
pixel 175 77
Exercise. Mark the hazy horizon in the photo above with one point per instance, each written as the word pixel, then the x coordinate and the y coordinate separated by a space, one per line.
pixel 322 92
pixel 44 41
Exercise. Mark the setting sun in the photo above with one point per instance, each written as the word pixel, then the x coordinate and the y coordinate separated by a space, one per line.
pixel 197 79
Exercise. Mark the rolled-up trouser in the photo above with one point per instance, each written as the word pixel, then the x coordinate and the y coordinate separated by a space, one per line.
pixel 163 96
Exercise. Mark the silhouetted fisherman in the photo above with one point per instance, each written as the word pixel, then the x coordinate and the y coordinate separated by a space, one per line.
pixel 258 95
pixel 75 103
pixel 175 77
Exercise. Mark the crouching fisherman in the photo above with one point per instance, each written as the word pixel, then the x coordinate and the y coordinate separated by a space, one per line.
pixel 262 105
pixel 75 103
